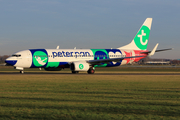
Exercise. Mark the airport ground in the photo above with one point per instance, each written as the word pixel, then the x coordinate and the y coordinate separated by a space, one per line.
pixel 114 93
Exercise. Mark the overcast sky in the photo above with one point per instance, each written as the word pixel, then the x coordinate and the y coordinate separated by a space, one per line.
pixel 26 24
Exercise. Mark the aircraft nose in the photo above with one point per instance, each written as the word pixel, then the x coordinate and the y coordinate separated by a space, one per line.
pixel 10 61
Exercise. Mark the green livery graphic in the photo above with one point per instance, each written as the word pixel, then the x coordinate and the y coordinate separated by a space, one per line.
pixel 95 52
pixel 81 66
pixel 40 58
pixel 141 38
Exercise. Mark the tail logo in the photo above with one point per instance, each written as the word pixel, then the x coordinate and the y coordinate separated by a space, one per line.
pixel 141 39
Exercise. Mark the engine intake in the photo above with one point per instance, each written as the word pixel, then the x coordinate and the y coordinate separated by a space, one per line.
pixel 79 66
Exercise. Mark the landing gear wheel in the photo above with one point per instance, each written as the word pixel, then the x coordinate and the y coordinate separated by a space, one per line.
pixel 21 71
pixel 74 72
pixel 91 71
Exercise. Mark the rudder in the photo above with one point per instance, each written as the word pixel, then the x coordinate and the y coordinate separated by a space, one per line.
pixel 141 39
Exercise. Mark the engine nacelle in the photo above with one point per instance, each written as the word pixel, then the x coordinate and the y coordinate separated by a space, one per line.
pixel 79 66
pixel 52 69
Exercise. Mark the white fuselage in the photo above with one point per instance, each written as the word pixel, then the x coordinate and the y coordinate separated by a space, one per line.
pixel 44 58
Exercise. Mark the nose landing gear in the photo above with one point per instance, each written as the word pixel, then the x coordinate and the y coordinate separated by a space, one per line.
pixel 21 71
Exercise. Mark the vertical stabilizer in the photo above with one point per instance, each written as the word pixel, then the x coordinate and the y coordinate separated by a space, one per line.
pixel 140 41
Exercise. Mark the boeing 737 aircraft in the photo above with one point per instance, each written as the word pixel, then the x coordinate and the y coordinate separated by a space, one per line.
pixel 85 59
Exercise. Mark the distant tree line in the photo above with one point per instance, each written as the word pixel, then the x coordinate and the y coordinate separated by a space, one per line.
pixel 176 62
pixel 3 58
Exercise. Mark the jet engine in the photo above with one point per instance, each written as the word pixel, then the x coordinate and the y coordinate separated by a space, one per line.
pixel 79 66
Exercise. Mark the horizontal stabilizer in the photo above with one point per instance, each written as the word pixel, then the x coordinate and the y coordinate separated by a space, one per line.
pixel 164 49
pixel 157 51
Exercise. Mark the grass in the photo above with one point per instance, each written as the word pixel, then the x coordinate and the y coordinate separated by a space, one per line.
pixel 89 97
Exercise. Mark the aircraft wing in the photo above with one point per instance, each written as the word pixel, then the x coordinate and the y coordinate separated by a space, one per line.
pixel 107 61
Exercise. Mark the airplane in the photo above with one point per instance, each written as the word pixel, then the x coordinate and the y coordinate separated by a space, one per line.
pixel 85 59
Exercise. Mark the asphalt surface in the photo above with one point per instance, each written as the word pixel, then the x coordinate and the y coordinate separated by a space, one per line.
pixel 52 73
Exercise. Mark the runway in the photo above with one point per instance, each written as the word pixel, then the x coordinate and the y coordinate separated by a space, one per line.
pixel 52 73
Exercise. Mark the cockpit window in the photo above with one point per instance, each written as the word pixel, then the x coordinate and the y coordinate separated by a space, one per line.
pixel 15 55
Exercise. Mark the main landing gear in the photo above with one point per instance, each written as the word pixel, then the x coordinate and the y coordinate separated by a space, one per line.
pixel 74 72
pixel 91 70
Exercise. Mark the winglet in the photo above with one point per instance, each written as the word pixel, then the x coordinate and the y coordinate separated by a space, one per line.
pixel 154 50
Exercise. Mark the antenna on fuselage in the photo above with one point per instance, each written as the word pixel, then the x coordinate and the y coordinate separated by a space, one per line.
pixel 57 47
pixel 74 47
